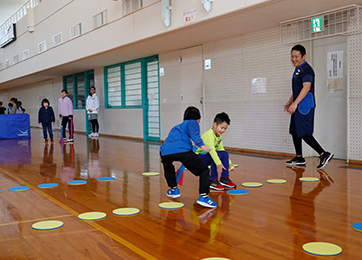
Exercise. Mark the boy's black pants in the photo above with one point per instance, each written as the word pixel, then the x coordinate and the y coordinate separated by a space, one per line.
pixel 193 163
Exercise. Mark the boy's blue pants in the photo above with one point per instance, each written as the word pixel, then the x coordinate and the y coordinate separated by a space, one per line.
pixel 224 157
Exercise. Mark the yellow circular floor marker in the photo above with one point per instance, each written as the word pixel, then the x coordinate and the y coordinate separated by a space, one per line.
pixel 150 173
pixel 126 211
pixel 171 205
pixel 252 184
pixel 47 185
pixel 276 181
pixel 90 216
pixel 47 225
pixel 216 258
pixel 322 249
pixel 309 179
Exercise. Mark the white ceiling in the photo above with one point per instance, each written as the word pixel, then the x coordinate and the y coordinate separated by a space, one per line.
pixel 8 8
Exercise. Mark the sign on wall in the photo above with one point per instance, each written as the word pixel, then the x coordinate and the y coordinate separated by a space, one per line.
pixel 190 15
pixel 8 35
pixel 335 71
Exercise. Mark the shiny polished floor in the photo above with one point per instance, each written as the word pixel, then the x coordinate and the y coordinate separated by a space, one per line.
pixel 271 222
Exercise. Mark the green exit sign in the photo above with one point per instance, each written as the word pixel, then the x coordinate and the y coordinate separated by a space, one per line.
pixel 316 24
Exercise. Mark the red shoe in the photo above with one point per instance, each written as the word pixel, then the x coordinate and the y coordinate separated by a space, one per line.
pixel 215 184
pixel 46 141
pixel 227 182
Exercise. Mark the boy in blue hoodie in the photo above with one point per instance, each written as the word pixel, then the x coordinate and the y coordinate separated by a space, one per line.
pixel 46 118
pixel 178 147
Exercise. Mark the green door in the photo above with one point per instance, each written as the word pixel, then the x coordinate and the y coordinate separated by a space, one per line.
pixel 151 99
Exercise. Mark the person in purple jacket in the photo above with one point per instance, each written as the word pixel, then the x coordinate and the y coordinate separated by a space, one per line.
pixel 178 147
pixel 65 107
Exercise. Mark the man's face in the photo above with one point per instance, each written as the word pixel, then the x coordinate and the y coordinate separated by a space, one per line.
pixel 64 94
pixel 297 58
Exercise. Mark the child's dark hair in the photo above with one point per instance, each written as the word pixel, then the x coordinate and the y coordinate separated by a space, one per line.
pixel 65 91
pixel 221 118
pixel 1 103
pixel 45 101
pixel 299 48
pixel 10 105
pixel 15 100
pixel 192 113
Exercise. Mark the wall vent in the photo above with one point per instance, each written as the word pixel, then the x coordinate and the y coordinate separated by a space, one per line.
pixel 7 63
pixel 341 21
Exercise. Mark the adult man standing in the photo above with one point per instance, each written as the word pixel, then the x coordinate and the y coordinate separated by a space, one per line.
pixel 301 106
pixel 65 107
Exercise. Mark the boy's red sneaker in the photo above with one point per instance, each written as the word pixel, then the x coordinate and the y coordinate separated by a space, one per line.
pixel 227 182
pixel 215 184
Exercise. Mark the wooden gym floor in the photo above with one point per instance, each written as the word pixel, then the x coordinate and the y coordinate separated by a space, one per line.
pixel 271 222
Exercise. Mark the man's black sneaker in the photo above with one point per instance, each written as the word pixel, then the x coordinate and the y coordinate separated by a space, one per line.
pixel 296 161
pixel 324 159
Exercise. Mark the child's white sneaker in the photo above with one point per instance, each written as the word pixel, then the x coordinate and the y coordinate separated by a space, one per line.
pixel 91 135
pixel 95 135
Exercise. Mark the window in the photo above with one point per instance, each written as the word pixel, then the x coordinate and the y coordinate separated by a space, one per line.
pixel 78 86
pixel 133 84
pixel 124 85
pixel 25 54
pixel 42 46
pixel 75 30
pixel 113 81
pixel 129 6
pixel 100 19
pixel 16 59
pixel 57 39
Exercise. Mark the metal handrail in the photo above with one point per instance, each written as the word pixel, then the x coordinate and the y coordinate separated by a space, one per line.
pixel 19 14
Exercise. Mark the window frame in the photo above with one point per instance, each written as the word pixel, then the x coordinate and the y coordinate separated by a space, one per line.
pixel 123 85
pixel 75 90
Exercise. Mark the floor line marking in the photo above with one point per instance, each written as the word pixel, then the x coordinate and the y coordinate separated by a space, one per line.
pixel 35 220
pixel 95 225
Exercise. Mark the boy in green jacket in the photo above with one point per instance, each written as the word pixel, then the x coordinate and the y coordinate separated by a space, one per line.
pixel 218 158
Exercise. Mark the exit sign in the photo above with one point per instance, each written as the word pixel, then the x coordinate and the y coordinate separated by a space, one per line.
pixel 316 24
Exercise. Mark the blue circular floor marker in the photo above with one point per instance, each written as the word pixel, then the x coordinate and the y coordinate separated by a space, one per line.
pixel 77 182
pixel 19 188
pixel 357 226
pixel 47 185
pixel 237 192
pixel 106 179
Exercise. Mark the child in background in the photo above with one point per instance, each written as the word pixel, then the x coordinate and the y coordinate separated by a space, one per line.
pixel 218 158
pixel 46 118
pixel 178 147
pixel 10 108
